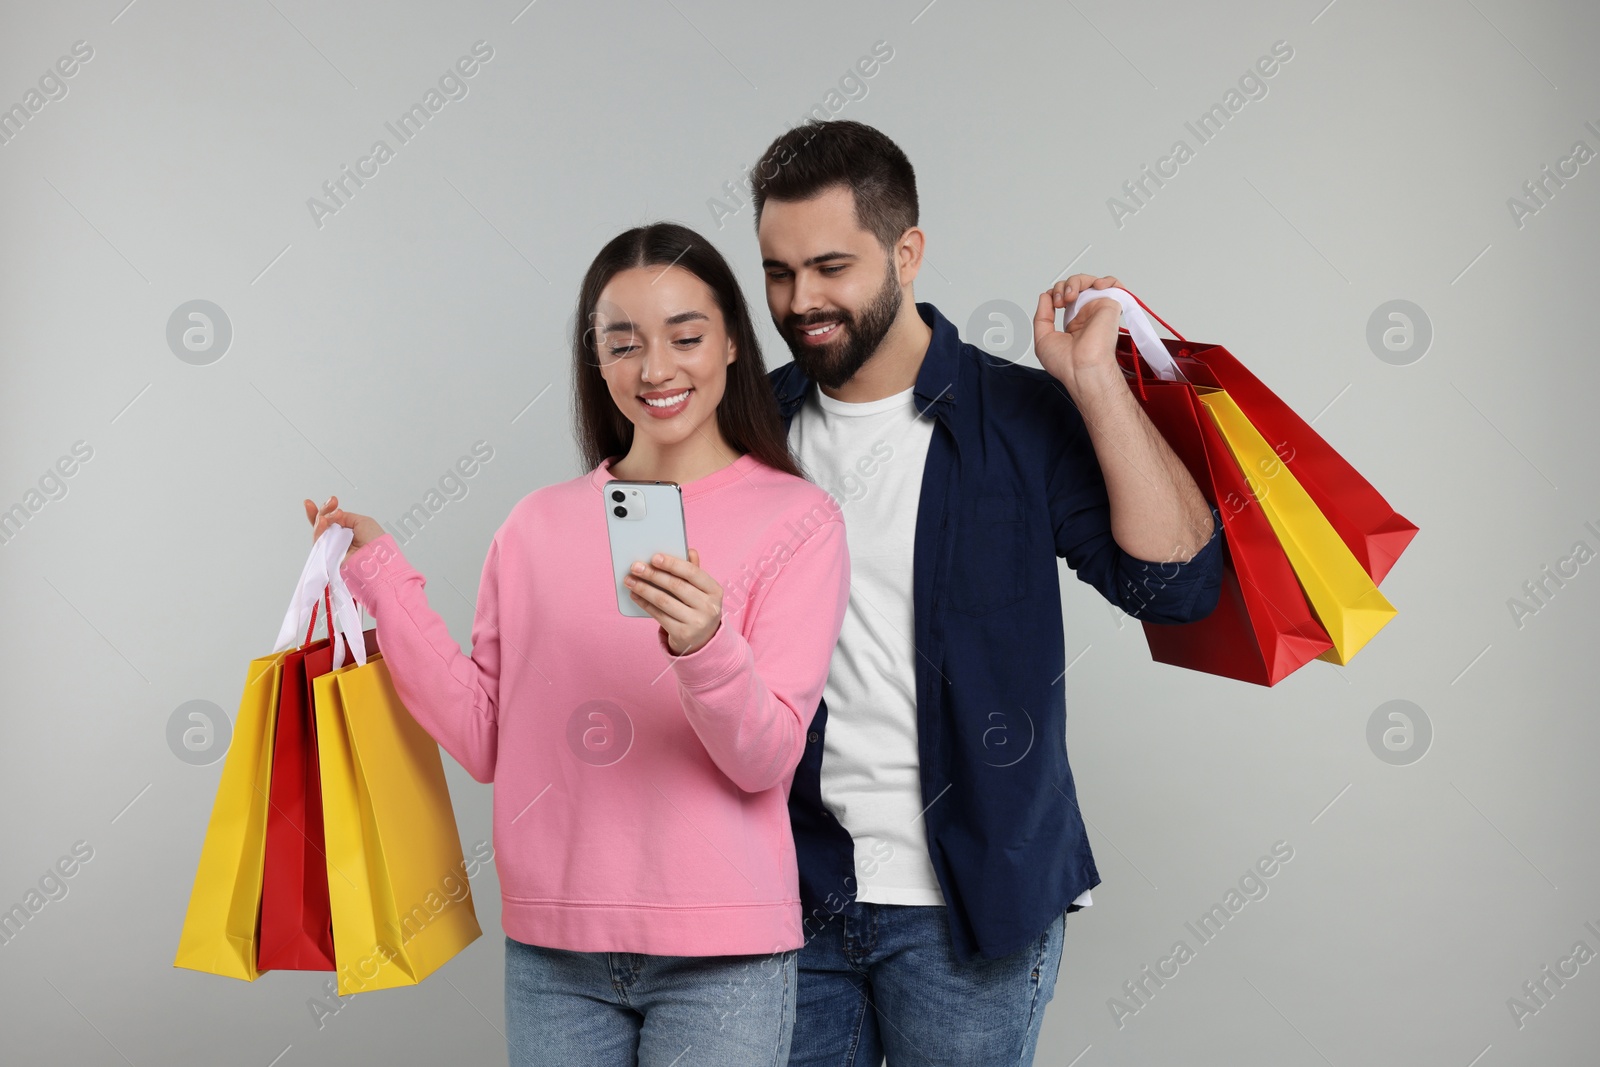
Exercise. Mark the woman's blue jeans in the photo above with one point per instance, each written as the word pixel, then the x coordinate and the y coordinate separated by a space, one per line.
pixel 618 1009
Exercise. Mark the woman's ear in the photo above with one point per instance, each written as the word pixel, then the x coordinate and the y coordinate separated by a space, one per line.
pixel 733 351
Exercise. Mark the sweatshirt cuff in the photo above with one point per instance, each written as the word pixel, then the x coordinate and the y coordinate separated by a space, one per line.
pixel 713 661
pixel 372 567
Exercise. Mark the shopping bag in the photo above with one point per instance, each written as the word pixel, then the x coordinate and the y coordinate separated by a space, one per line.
pixel 219 928
pixel 296 930
pixel 401 903
pixel 1262 629
pixel 1286 629
pixel 296 924
pixel 1345 598
pixel 1373 531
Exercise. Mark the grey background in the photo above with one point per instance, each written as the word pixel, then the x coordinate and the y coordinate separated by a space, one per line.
pixel 368 354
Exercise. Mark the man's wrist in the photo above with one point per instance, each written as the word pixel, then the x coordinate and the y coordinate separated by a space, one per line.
pixel 1100 390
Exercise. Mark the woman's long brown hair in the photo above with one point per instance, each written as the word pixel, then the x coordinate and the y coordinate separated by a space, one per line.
pixel 748 413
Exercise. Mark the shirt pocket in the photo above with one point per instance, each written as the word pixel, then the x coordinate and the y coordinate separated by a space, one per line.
pixel 988 565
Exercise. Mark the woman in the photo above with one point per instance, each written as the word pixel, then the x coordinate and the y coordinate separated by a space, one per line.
pixel 641 830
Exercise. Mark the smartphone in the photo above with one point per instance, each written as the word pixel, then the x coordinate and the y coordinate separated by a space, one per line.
pixel 642 518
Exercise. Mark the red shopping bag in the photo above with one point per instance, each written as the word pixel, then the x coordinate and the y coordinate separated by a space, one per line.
pixel 1373 531
pixel 295 930
pixel 1262 629
pixel 296 925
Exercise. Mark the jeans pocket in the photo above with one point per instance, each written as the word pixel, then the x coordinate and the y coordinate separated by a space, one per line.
pixel 1048 951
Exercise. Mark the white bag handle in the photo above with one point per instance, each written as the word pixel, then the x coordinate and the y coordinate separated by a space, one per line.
pixel 1140 328
pixel 322 569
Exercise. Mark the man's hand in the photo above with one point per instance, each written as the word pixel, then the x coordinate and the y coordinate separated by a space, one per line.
pixel 1157 511
pixel 1084 354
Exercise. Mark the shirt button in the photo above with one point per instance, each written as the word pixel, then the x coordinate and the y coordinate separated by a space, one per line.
pixel 812 736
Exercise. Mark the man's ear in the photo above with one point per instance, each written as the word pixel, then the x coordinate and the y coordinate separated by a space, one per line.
pixel 908 254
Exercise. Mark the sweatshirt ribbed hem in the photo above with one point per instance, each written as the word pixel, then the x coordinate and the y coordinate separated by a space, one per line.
pixel 656 930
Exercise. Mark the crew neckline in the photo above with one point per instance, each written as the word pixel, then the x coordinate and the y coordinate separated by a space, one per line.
pixel 739 468
pixel 834 406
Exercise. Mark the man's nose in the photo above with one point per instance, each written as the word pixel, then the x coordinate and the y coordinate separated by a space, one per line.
pixel 807 295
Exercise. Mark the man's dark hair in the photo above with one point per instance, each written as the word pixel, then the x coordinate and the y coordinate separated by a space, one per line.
pixel 816 156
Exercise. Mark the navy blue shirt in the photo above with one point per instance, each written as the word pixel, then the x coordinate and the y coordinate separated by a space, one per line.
pixel 1011 483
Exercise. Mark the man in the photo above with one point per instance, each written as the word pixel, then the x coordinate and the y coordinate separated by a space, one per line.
pixel 935 816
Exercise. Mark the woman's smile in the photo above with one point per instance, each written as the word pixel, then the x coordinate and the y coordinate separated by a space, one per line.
pixel 664 405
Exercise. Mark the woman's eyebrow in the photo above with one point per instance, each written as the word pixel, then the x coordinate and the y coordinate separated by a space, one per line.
pixel 625 326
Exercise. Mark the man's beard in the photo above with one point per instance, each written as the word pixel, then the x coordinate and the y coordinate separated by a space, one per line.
pixel 835 363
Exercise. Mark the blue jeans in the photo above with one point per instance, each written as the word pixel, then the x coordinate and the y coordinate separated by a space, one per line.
pixel 619 1009
pixel 883 978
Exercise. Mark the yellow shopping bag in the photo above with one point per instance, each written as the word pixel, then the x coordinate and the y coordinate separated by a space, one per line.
pixel 402 904
pixel 219 929
pixel 1340 592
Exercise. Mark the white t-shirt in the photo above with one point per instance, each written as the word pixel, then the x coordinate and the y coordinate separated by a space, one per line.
pixel 870 457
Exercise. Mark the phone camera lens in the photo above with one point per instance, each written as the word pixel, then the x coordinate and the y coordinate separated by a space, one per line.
pixel 616 494
pixel 620 512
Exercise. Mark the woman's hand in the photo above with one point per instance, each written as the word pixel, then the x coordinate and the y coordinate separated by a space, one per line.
pixel 366 529
pixel 682 597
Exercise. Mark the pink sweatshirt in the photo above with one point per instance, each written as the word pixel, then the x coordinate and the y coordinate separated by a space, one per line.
pixel 641 799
